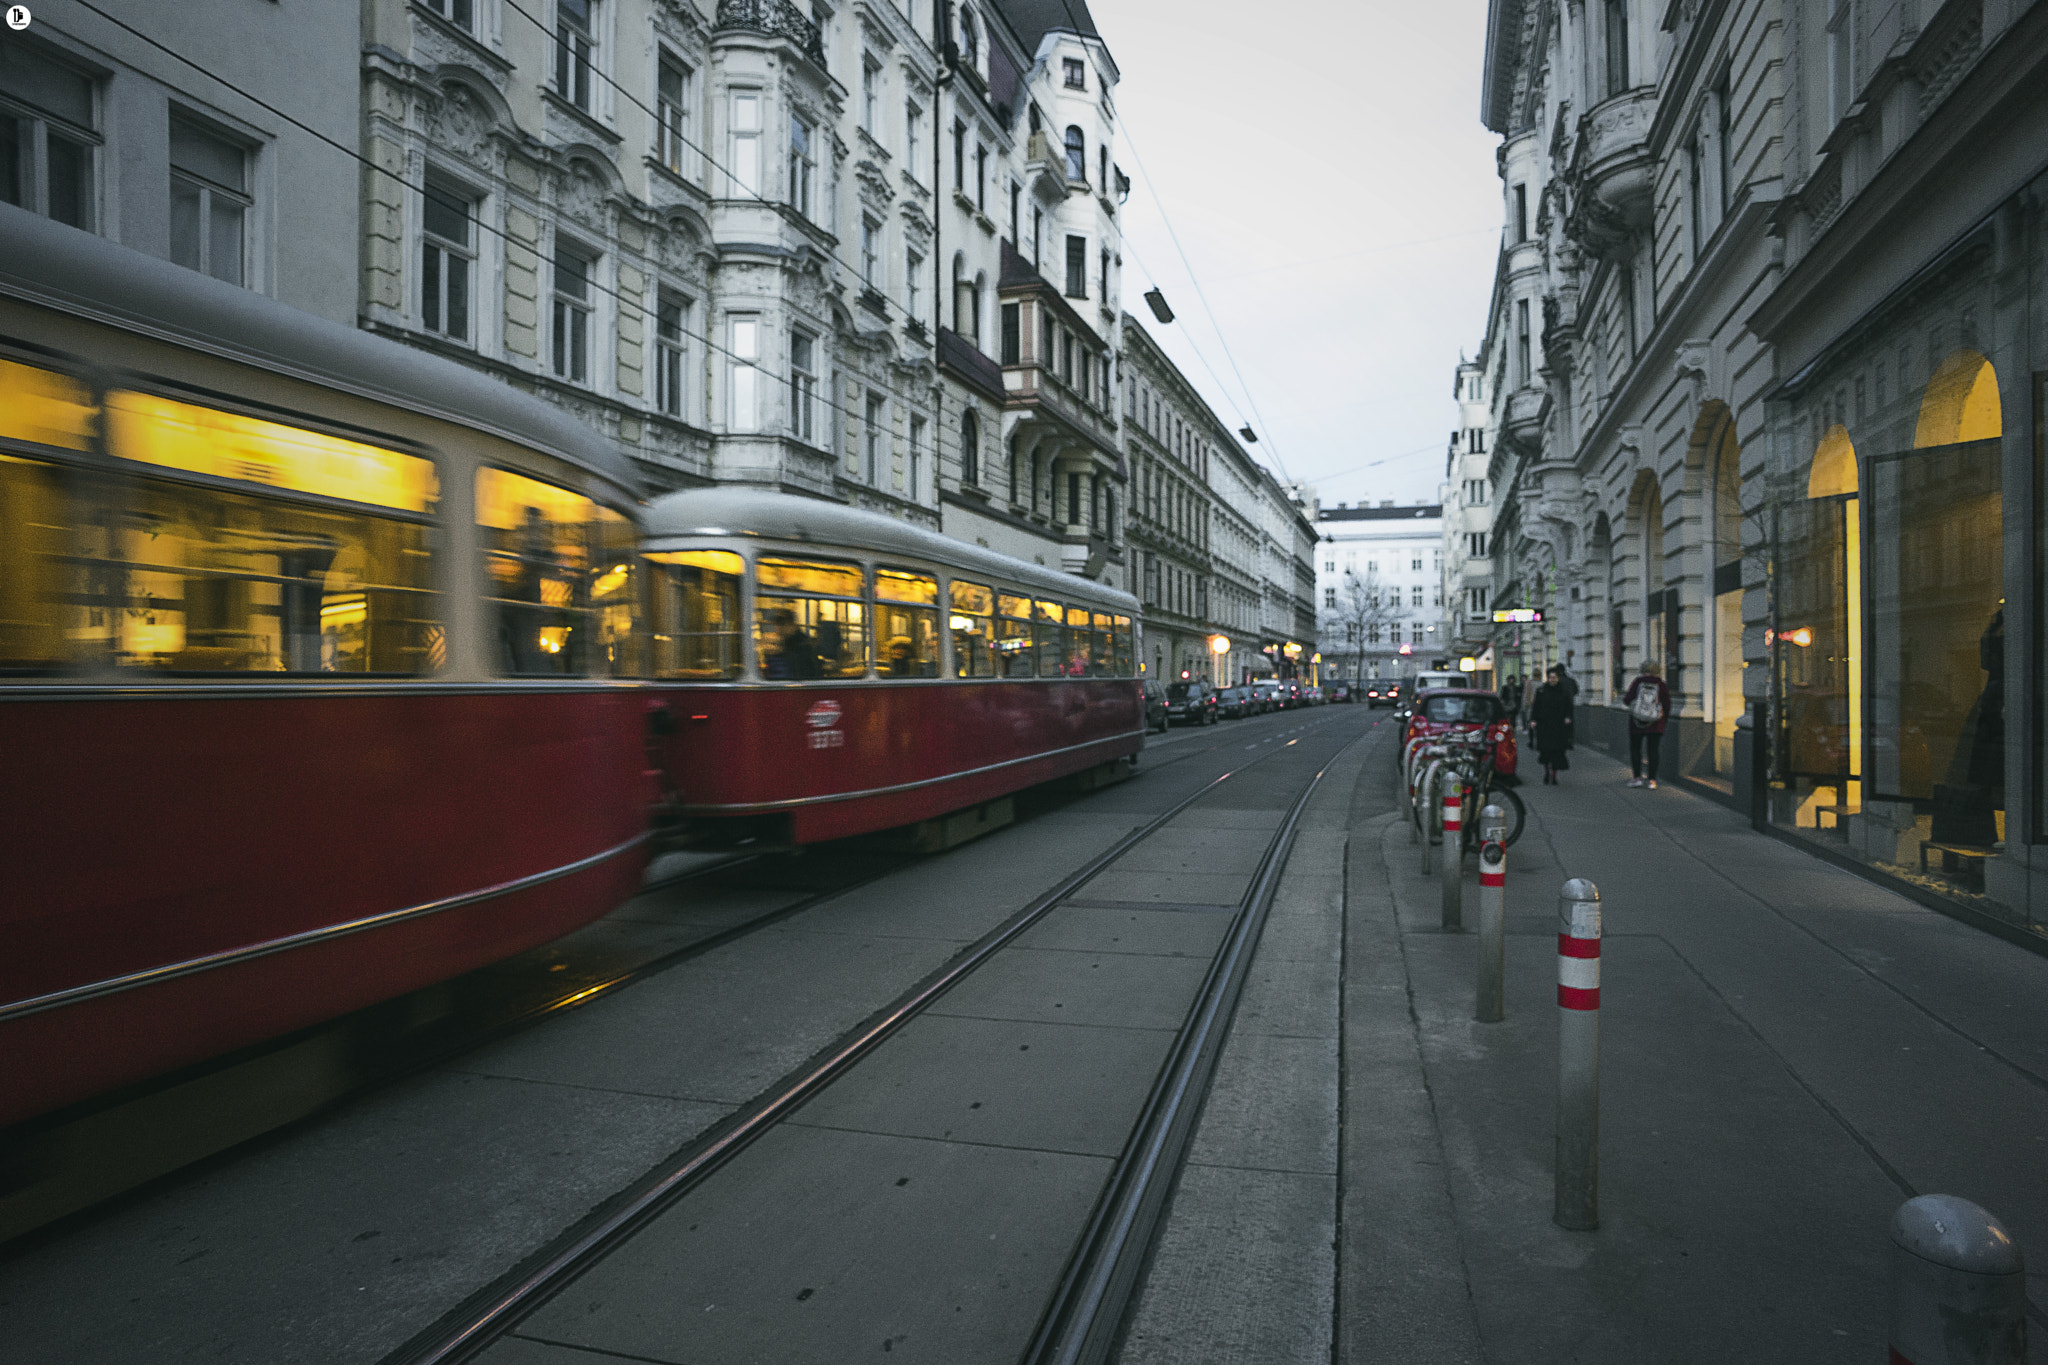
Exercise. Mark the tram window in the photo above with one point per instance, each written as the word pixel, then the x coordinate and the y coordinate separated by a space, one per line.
pixel 974 630
pixel 1080 643
pixel 697 613
pixel 1123 646
pixel 183 576
pixel 1013 646
pixel 1048 622
pixel 560 576
pixel 38 583
pixel 1102 651
pixel 907 605
pixel 810 619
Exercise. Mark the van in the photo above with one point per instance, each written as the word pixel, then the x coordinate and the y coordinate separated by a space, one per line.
pixel 1424 681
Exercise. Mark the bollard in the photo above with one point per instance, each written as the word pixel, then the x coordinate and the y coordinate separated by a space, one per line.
pixel 1493 913
pixel 1959 1286
pixel 1578 1057
pixel 1454 854
pixel 1432 780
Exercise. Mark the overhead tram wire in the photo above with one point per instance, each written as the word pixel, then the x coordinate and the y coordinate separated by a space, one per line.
pixel 1221 387
pixel 832 403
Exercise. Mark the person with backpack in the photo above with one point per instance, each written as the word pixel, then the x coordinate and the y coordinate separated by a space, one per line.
pixel 1649 706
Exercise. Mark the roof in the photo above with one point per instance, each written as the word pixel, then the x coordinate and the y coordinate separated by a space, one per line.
pixel 757 513
pixel 1497 85
pixel 1033 19
pixel 1434 509
pixel 77 272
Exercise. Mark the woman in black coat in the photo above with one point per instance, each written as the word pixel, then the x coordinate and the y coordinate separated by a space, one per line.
pixel 1550 717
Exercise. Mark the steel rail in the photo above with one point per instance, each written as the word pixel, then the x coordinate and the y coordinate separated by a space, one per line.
pixel 1081 1324
pixel 468 1330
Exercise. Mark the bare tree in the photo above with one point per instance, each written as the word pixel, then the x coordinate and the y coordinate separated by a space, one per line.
pixel 1359 616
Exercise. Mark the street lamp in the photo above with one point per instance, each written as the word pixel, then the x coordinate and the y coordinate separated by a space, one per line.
pixel 1219 645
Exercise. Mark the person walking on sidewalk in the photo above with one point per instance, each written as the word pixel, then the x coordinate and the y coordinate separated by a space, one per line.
pixel 1550 719
pixel 1649 706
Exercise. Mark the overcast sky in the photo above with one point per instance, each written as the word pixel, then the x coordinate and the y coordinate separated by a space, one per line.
pixel 1324 167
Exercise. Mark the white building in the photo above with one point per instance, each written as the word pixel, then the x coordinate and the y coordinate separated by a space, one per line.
pixel 1379 586
pixel 1468 520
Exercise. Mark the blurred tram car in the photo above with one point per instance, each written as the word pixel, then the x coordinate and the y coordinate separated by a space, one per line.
pixel 312 661
pixel 832 671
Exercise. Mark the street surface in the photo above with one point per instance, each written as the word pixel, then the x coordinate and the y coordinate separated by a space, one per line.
pixel 1787 1053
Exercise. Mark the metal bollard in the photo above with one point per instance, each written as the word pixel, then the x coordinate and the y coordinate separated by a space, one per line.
pixel 1493 913
pixel 1959 1286
pixel 1454 855
pixel 1578 1057
pixel 1432 780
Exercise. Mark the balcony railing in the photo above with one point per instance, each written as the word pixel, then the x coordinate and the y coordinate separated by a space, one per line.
pixel 777 19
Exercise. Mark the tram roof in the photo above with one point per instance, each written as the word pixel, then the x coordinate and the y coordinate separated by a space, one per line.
pixel 81 273
pixel 757 513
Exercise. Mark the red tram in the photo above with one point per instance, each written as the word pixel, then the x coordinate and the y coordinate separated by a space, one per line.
pixel 312 662
pixel 833 671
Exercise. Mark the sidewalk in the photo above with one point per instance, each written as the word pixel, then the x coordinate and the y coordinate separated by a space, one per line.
pixel 1787 1053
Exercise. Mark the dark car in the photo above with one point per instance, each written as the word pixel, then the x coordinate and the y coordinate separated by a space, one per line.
pixel 1235 703
pixel 1190 703
pixel 1155 705
pixel 1339 692
pixel 1382 693
pixel 1263 699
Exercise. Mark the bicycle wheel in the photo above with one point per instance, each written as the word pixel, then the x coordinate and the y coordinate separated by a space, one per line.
pixel 1510 803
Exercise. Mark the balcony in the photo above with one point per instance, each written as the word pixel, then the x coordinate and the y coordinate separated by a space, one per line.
pixel 1612 174
pixel 1046 165
pixel 1524 418
pixel 776 19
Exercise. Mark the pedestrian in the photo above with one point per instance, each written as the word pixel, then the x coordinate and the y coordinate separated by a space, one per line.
pixel 1571 688
pixel 1511 697
pixel 1649 706
pixel 1550 718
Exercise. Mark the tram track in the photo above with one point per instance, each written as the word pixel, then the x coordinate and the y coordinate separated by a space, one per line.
pixel 1082 1315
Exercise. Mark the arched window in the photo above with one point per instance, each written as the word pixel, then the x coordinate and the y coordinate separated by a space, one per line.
pixel 963 305
pixel 973 332
pixel 1013 473
pixel 970 41
pixel 1077 154
pixel 970 447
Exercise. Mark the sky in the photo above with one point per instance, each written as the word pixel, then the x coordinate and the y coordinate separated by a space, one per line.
pixel 1323 166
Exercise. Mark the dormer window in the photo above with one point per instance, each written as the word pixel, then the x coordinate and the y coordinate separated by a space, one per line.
pixel 1076 73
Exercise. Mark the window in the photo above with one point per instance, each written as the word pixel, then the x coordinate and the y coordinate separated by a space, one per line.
pixel 457 12
pixel 959 156
pixel 1102 164
pixel 209 202
pixel 1842 74
pixel 560 574
pixel 1723 154
pixel 871 440
pixel 1475 495
pixel 1077 155
pixel 671 113
pixel 802 166
pixel 696 599
pixel 1475 603
pixel 907 624
pixel 1521 214
pixel 1329 566
pixel 870 248
pixel 970 40
pixel 572 313
pixel 573 45
pixel 1415 566
pixel 1329 597
pixel 671 354
pixel 46 142
pixel 913 137
pixel 746 143
pixel 1037 222
pixel 980 178
pixel 1524 376
pixel 1104 295
pixel 913 285
pixel 1016 650
pixel 1475 544
pixel 916 481
pixel 1013 339
pixel 803 386
pixel 972 622
pixel 1076 73
pixel 810 619
pixel 247 546
pixel 1617 46
pixel 1067 357
pixel 970 447
pixel 1077 267
pixel 446 261
pixel 745 346
pixel 1695 158
pixel 870 94
pixel 1475 441
pixel 1016 195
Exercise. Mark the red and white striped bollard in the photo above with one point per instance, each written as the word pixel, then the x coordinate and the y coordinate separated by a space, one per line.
pixel 1493 914
pixel 1454 852
pixel 1578 1057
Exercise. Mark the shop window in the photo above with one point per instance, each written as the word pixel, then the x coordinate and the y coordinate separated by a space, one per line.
pixel 696 613
pixel 810 620
pixel 1818 638
pixel 907 608
pixel 559 569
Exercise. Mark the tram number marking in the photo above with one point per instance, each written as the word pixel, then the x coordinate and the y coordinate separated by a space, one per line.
pixel 823 715
pixel 827 739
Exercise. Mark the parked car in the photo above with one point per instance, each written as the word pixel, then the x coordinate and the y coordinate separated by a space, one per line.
pixel 1443 709
pixel 1379 693
pixel 1155 705
pixel 1235 703
pixel 1340 693
pixel 1191 703
pixel 1266 696
pixel 1312 695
